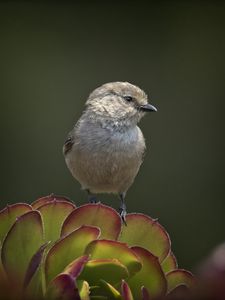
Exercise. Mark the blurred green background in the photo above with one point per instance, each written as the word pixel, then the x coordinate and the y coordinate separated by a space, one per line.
pixel 54 54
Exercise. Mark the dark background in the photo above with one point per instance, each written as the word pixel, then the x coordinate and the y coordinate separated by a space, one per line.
pixel 53 55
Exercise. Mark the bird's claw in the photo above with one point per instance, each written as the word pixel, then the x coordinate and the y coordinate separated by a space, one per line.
pixel 123 214
pixel 92 199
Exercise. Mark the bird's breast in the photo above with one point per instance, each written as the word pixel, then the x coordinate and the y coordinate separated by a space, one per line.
pixel 106 160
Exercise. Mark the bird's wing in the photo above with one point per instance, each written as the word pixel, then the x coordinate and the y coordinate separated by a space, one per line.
pixel 68 144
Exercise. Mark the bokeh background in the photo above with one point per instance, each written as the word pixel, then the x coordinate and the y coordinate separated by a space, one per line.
pixel 53 55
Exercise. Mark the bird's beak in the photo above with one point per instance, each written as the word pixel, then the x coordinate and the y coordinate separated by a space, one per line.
pixel 148 107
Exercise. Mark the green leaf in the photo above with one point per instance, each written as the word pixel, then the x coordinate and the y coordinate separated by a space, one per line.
pixel 51 198
pixel 109 291
pixel 84 289
pixel 184 293
pixel 63 287
pixel 34 290
pixel 67 249
pixel 22 241
pixel 99 298
pixel 75 267
pixel 169 263
pixel 150 276
pixel 8 216
pixel 145 294
pixel 3 280
pixel 110 269
pixel 33 266
pixel 99 215
pixel 41 201
pixel 53 214
pixel 179 277
pixel 105 249
pixel 126 292
pixel 146 232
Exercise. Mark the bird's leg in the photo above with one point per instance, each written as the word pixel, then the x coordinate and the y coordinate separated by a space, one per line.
pixel 122 209
pixel 91 198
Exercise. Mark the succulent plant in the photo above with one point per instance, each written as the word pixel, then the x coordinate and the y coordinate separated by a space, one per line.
pixel 52 249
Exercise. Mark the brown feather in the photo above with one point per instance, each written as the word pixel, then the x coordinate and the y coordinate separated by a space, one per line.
pixel 68 145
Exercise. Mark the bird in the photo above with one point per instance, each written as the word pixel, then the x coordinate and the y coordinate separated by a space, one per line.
pixel 105 148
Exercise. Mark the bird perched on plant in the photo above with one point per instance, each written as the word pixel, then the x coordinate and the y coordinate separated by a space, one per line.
pixel 105 148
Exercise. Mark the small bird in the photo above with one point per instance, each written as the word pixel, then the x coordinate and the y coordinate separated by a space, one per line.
pixel 105 148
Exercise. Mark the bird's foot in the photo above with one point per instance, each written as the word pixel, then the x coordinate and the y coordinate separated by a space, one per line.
pixel 122 209
pixel 92 199
pixel 123 213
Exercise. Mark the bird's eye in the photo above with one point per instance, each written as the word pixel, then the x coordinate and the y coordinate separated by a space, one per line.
pixel 128 98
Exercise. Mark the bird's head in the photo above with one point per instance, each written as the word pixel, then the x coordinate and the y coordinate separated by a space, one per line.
pixel 119 102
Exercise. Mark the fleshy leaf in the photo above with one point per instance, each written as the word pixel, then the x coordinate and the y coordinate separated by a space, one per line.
pixel 126 292
pixel 99 215
pixel 110 269
pixel 34 290
pixel 84 289
pixel 63 287
pixel 105 249
pixel 3 279
pixel 67 249
pixel 145 294
pixel 146 232
pixel 99 298
pixel 34 264
pixel 169 263
pixel 184 293
pixel 8 216
pixel 43 200
pixel 179 277
pixel 51 198
pixel 53 214
pixel 26 236
pixel 65 282
pixel 150 276
pixel 75 267
pixel 109 290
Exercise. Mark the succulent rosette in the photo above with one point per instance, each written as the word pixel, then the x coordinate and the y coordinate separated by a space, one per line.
pixel 52 249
